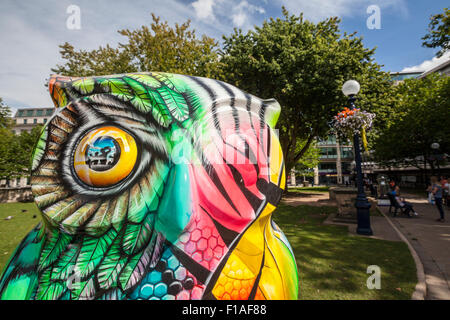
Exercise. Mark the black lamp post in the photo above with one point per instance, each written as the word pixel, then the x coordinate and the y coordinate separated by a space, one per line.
pixel 351 89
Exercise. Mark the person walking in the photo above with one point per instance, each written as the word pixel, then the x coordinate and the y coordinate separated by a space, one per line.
pixel 436 190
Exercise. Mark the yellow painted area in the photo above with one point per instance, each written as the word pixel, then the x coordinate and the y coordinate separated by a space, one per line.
pixel 128 156
pixel 276 159
pixel 278 279
pixel 283 179
pixel 235 281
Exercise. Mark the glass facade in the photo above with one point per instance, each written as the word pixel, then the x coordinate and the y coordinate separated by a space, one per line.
pixel 332 170
pixel 329 140
pixel 404 76
pixel 327 167
pixel 347 152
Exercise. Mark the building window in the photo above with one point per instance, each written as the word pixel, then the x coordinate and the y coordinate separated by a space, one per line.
pixel 20 113
pixel 346 152
pixel 39 113
pixel 328 153
pixel 45 120
pixel 25 121
pixel 327 168
pixel 35 121
pixel 346 167
pixel 29 113
pixel 49 112
pixel 332 153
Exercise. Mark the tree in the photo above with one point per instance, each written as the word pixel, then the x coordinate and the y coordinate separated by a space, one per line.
pixel 5 114
pixel 303 65
pixel 16 150
pixel 418 119
pixel 309 160
pixel 438 35
pixel 159 47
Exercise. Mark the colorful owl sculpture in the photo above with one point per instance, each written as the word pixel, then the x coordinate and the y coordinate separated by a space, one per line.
pixel 155 186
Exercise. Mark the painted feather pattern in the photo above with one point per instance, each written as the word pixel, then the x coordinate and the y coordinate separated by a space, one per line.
pixel 138 202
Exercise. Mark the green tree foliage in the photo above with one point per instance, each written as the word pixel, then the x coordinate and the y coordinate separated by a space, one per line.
pixel 309 160
pixel 303 65
pixel 15 151
pixel 5 114
pixel 418 118
pixel 438 35
pixel 159 47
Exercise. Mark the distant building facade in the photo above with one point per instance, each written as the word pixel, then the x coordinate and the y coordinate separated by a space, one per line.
pixel 398 77
pixel 335 166
pixel 443 69
pixel 27 118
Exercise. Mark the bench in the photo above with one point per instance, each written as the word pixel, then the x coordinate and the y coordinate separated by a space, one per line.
pixel 394 204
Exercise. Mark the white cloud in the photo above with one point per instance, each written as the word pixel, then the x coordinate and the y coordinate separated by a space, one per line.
pixel 317 10
pixel 204 9
pixel 31 31
pixel 428 64
pixel 239 19
pixel 242 11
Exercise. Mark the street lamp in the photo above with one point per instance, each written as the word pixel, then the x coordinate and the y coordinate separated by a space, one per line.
pixel 351 89
pixel 435 146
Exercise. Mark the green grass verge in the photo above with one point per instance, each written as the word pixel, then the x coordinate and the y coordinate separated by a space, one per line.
pixel 13 231
pixel 332 264
pixel 308 189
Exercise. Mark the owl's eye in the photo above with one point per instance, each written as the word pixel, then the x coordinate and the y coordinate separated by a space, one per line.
pixel 105 156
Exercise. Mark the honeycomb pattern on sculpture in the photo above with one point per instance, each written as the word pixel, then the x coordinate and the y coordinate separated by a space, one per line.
pixel 169 280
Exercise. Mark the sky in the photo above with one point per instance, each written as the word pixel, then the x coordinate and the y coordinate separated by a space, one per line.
pixel 30 31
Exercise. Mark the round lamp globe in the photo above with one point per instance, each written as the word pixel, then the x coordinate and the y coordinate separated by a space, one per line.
pixel 351 88
pixel 435 145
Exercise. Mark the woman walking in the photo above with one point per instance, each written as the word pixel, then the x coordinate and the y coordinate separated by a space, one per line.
pixel 436 189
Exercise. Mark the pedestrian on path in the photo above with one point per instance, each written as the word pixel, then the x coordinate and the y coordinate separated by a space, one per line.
pixel 404 204
pixel 436 190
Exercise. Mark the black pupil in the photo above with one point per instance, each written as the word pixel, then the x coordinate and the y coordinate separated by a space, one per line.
pixel 103 154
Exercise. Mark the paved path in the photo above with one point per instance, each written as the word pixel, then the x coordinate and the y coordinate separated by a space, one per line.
pixel 431 240
pixel 309 198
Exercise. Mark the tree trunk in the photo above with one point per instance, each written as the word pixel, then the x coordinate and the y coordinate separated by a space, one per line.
pixel 291 163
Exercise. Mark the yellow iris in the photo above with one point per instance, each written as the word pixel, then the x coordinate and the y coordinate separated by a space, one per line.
pixel 105 156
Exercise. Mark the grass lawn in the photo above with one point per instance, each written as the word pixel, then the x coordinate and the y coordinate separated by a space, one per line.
pixel 14 230
pixel 332 264
pixel 307 189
